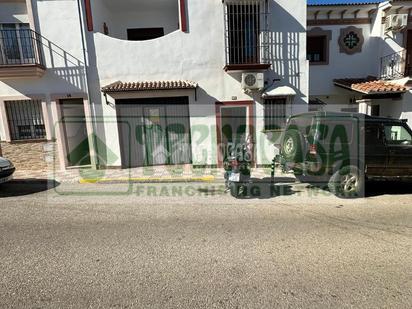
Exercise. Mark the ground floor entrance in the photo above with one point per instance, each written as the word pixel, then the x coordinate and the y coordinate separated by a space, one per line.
pixel 154 131
pixel 75 132
pixel 234 122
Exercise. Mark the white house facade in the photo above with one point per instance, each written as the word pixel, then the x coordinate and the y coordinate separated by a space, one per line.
pixel 134 83
pixel 361 57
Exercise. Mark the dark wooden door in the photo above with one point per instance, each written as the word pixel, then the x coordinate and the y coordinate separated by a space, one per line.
pixel 75 132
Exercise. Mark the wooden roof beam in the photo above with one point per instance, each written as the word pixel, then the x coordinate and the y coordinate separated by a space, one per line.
pixel 329 13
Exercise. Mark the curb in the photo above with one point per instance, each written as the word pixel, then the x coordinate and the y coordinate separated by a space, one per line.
pixel 147 180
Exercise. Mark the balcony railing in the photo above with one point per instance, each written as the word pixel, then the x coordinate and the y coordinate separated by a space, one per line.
pixel 22 47
pixel 393 66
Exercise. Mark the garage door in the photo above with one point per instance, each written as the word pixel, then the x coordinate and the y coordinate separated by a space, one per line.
pixel 154 131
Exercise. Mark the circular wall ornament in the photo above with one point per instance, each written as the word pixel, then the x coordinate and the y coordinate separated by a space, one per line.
pixel 351 40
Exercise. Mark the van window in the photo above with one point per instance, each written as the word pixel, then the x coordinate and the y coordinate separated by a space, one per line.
pixel 342 130
pixel 397 134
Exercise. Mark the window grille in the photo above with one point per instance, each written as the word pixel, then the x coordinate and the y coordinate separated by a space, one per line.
pixel 246 31
pixel 275 114
pixel 25 119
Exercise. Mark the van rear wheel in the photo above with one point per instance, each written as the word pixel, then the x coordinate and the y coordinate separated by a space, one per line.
pixel 348 182
pixel 291 146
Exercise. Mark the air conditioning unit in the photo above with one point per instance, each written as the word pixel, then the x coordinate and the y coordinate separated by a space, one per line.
pixel 252 81
pixel 396 22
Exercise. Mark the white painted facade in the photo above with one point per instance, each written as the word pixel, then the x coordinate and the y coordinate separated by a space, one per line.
pixel 199 56
pixel 196 55
pixel 377 44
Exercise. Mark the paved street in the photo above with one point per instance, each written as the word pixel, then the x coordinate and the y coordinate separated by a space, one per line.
pixel 191 246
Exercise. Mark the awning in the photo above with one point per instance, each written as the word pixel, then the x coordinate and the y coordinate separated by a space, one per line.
pixel 149 85
pixel 278 91
pixel 370 86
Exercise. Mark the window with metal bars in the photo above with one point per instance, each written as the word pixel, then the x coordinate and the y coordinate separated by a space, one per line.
pixel 275 114
pixel 19 45
pixel 246 27
pixel 25 119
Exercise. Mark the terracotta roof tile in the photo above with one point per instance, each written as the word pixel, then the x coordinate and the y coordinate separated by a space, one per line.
pixel 370 86
pixel 341 2
pixel 149 85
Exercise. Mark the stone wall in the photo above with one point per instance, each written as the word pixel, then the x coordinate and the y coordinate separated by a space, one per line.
pixel 32 155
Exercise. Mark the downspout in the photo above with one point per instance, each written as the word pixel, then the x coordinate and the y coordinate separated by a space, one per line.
pixel 95 158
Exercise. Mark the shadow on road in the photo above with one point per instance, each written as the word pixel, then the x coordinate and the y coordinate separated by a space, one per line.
pixel 377 188
pixel 26 187
pixel 374 188
pixel 263 188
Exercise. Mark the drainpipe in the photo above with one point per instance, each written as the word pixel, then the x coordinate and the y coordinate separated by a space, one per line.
pixel 94 159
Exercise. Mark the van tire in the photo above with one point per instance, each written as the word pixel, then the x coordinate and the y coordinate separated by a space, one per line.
pixel 348 182
pixel 292 146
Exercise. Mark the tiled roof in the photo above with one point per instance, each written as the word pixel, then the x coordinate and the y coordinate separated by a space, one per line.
pixel 149 85
pixel 369 86
pixel 341 2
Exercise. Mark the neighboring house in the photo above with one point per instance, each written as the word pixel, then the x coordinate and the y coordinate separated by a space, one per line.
pixel 167 82
pixel 42 79
pixel 361 57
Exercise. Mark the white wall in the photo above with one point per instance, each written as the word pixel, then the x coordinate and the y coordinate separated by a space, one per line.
pixel 119 20
pixel 359 65
pixel 57 21
pixel 341 65
pixel 62 51
pixel 13 13
pixel 199 56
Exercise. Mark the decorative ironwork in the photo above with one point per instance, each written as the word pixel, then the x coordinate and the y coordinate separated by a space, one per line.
pixel 20 47
pixel 351 40
pixel 275 114
pixel 25 119
pixel 246 32
pixel 393 65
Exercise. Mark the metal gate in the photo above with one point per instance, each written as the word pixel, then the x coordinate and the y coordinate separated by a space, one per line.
pixel 154 131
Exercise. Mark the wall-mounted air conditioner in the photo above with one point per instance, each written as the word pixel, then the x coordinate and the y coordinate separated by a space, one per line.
pixel 253 81
pixel 396 22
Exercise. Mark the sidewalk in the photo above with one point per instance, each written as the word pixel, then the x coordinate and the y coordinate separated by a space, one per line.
pixel 184 173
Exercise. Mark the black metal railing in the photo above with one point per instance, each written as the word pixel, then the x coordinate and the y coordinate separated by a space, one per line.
pixel 25 119
pixel 246 32
pixel 21 47
pixel 393 65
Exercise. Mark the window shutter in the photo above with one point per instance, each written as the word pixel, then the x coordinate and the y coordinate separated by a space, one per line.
pixel 89 17
pixel 183 16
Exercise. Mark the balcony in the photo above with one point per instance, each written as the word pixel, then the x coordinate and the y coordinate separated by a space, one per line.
pixel 136 20
pixel 393 66
pixel 21 54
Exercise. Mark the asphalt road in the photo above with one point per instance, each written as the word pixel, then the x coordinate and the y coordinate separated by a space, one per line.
pixel 191 246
